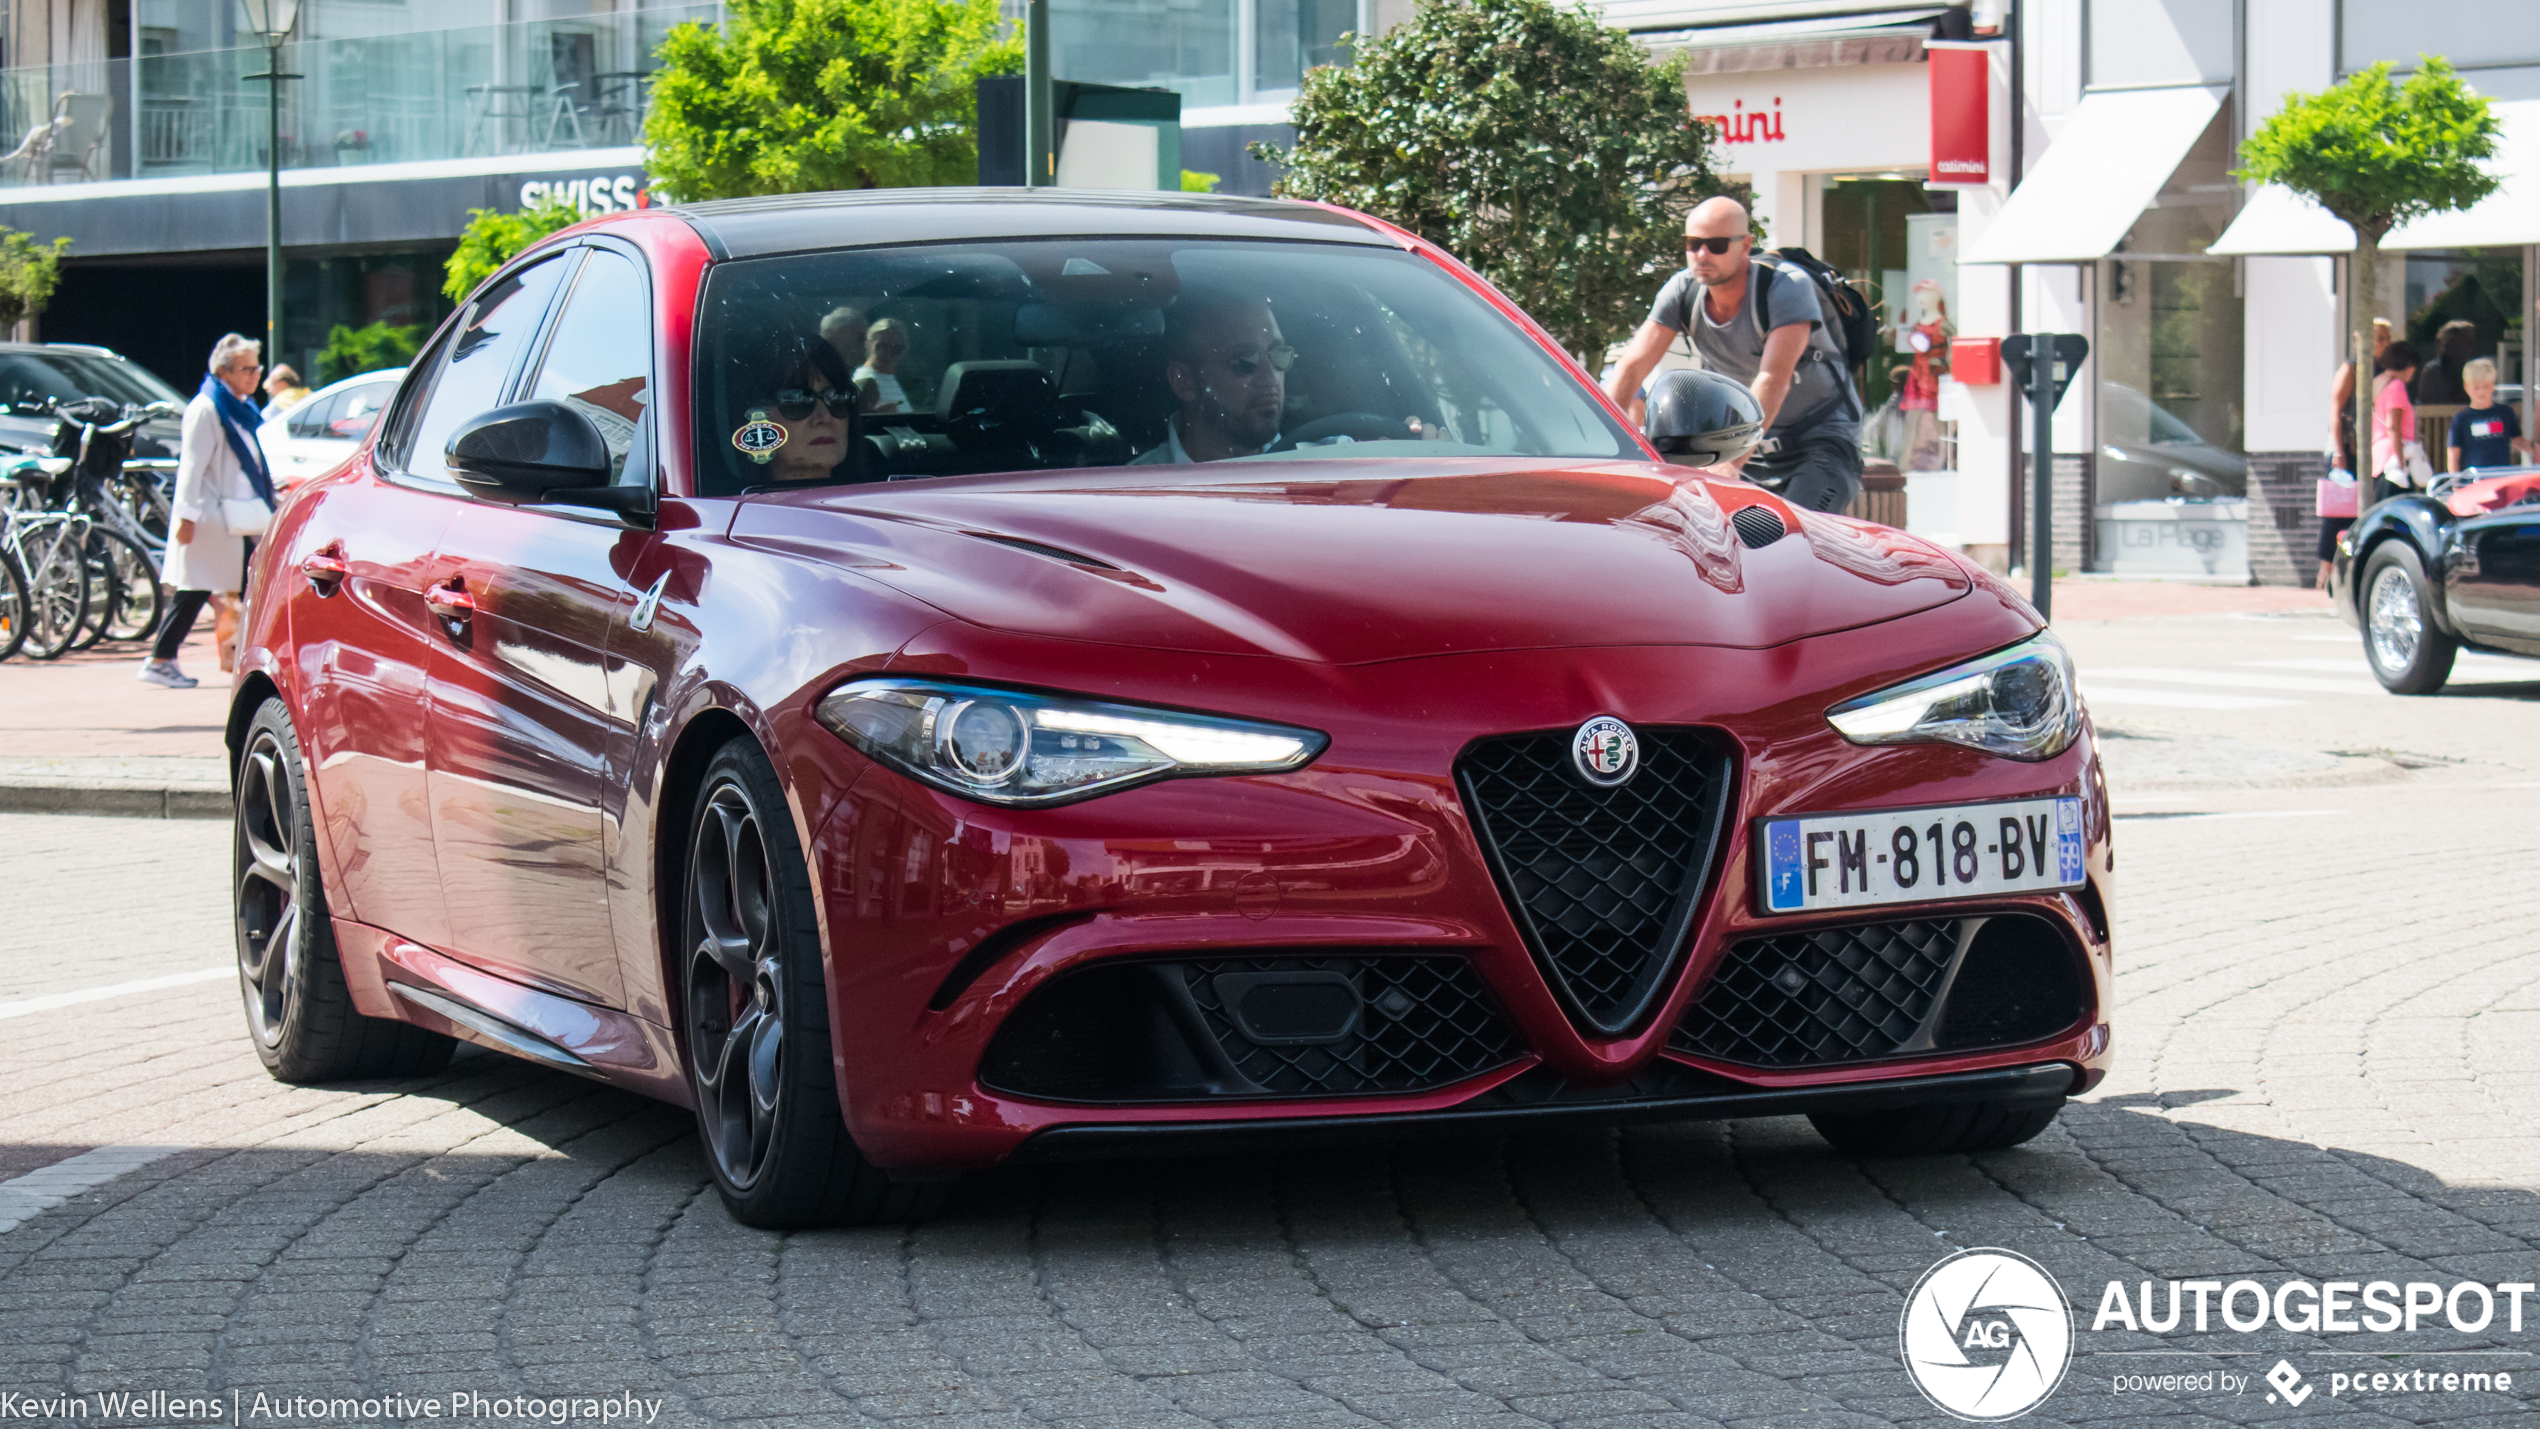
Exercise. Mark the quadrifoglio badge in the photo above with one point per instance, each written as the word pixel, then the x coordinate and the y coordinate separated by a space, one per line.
pixel 1987 1335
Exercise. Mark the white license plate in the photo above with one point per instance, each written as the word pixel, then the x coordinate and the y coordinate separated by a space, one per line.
pixel 1847 860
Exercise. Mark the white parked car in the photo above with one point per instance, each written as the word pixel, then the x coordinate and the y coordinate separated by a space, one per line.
pixel 315 437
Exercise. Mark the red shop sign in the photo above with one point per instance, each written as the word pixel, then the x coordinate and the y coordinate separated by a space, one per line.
pixel 1961 114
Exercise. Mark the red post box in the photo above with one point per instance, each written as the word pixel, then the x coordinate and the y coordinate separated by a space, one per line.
pixel 1976 361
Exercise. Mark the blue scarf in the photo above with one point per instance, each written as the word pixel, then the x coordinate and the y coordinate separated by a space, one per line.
pixel 238 422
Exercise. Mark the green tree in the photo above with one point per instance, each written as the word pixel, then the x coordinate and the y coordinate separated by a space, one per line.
pixel 490 239
pixel 29 272
pixel 1542 148
pixel 351 351
pixel 2376 155
pixel 797 96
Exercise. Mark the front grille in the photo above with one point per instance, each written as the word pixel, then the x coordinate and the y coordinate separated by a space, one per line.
pixel 1826 996
pixel 1164 1032
pixel 1603 883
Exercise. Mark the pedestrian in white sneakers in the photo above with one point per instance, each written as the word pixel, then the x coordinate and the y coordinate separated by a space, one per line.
pixel 224 495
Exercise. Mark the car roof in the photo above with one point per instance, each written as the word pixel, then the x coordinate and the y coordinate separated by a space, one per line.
pixel 795 223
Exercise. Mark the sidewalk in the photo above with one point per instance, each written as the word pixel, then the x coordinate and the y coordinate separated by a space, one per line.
pixel 2083 598
pixel 82 735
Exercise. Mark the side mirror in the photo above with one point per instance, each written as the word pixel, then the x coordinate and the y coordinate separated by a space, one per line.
pixel 1701 418
pixel 538 451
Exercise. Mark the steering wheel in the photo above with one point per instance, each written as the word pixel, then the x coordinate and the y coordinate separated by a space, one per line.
pixel 1358 426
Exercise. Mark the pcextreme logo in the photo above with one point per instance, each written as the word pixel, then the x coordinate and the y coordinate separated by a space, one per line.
pixel 1987 1334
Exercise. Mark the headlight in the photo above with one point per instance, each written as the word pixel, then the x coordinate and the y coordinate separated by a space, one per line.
pixel 1025 750
pixel 2017 703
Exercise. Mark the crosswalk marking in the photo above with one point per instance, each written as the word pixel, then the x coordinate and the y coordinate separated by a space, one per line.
pixel 2099 694
pixel 36 1192
pixel 29 1006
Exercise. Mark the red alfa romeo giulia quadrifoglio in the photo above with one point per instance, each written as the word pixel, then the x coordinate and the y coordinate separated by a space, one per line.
pixel 938 679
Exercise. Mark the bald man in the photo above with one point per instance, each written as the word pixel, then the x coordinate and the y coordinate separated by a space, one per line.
pixel 1227 364
pixel 1812 418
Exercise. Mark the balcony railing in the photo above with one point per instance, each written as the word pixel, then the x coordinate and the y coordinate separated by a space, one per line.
pixel 534 86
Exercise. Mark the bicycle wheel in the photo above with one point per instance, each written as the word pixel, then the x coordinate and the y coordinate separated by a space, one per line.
pixel 57 590
pixel 131 580
pixel 13 608
pixel 103 596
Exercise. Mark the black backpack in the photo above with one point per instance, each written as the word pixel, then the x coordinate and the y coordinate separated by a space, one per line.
pixel 1849 316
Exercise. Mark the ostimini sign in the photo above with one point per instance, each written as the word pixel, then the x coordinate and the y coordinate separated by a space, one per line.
pixel 1961 113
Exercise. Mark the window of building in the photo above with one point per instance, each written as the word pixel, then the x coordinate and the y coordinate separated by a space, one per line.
pixel 2139 43
pixel 2470 36
pixel 1211 52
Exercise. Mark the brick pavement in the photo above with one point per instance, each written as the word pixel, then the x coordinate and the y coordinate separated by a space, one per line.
pixel 2326 1068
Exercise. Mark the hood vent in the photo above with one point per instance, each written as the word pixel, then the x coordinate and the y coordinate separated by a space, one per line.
pixel 1757 526
pixel 1055 553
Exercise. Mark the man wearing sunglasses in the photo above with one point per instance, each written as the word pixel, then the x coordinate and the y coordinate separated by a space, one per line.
pixel 1228 367
pixel 1812 444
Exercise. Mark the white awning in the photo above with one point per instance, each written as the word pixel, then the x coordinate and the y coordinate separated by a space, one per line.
pixel 2098 176
pixel 2278 220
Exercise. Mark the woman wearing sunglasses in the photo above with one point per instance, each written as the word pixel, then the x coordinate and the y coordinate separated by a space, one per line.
pixel 802 425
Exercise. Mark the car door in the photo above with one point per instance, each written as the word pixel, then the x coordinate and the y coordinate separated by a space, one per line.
pixel 2492 582
pixel 524 714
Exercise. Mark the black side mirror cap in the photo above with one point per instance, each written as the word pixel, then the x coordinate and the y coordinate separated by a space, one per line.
pixel 1698 418
pixel 527 452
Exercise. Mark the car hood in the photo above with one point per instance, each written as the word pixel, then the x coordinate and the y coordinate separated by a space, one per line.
pixel 1347 562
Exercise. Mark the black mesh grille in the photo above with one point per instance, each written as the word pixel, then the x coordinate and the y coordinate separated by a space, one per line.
pixel 1602 882
pixel 1427 1022
pixel 1757 526
pixel 1160 1032
pixel 1827 995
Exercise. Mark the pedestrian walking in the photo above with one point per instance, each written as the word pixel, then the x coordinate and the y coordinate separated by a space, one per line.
pixel 2338 490
pixel 1723 302
pixel 224 494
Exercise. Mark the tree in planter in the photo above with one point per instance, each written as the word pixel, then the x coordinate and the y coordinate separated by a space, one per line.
pixel 1542 148
pixel 351 351
pixel 2376 155
pixel 799 96
pixel 29 272
pixel 490 239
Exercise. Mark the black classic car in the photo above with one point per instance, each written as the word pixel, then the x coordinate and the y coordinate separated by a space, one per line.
pixel 2424 574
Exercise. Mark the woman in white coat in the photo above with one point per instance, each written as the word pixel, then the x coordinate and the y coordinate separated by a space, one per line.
pixel 223 494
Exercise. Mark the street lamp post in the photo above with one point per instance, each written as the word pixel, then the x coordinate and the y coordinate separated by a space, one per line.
pixel 273 21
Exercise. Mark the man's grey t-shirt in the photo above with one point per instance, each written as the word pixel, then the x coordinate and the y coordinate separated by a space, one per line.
pixel 1820 399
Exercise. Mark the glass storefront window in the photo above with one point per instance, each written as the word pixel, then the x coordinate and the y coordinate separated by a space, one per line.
pixel 1191 46
pixel 1293 36
pixel 2168 349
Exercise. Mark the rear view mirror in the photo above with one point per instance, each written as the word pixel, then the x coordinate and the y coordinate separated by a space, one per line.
pixel 1084 324
pixel 1701 418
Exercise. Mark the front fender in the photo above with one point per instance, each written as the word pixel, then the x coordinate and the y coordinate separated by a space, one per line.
pixel 2413 517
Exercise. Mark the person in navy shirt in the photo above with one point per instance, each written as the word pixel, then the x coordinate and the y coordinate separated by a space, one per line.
pixel 2483 433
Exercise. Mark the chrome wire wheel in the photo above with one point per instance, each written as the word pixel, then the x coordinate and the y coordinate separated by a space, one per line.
pixel 736 986
pixel 268 887
pixel 2394 622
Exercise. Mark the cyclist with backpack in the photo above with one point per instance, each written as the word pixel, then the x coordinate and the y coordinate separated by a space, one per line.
pixel 1779 322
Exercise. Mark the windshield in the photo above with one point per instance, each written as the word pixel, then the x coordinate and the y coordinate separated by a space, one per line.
pixel 27 378
pixel 891 364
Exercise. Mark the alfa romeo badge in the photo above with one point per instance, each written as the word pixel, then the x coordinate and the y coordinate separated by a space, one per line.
pixel 1605 751
pixel 758 437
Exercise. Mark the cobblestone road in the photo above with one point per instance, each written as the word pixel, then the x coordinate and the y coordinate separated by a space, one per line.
pixel 2327 1066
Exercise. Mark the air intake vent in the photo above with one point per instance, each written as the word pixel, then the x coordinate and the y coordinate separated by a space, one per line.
pixel 1757 526
pixel 1602 882
pixel 1055 553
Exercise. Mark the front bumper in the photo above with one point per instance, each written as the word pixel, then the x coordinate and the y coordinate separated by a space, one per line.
pixel 2050 1082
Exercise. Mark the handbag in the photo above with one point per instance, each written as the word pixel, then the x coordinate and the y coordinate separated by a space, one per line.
pixel 245 516
pixel 2337 498
pixel 2420 470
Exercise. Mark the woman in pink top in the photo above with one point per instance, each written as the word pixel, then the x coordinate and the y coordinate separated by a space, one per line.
pixel 2394 417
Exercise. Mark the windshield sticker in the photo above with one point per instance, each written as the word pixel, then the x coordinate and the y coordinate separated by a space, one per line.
pixel 758 437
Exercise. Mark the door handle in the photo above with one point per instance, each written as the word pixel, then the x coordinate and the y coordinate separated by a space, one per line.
pixel 325 569
pixel 451 602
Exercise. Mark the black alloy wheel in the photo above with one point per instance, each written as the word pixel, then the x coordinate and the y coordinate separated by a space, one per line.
pixel 755 1016
pixel 2408 652
pixel 300 1015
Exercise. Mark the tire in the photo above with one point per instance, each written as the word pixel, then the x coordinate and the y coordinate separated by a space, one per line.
pixel 57 594
pixel 1945 1129
pixel 300 1016
pixel 105 591
pixel 13 608
pixel 2408 654
pixel 126 571
pixel 754 1016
